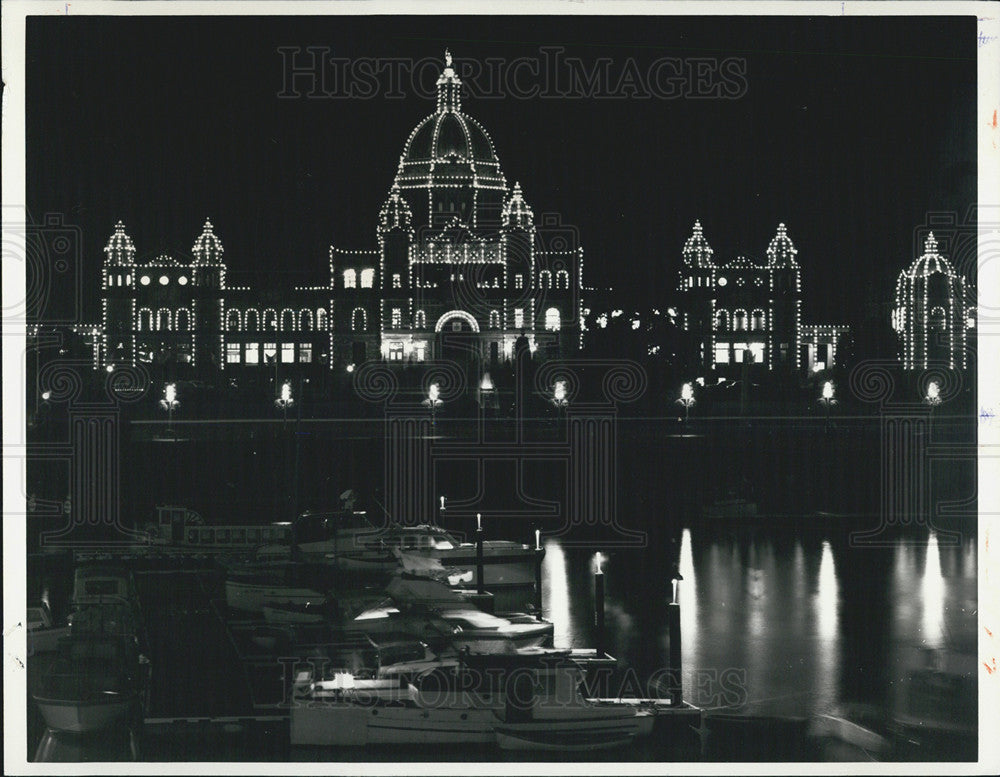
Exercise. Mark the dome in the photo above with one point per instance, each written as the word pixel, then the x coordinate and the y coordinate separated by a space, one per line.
pixel 207 249
pixel 395 213
pixel 781 251
pixel 697 252
pixel 120 248
pixel 930 262
pixel 449 147
pixel 517 213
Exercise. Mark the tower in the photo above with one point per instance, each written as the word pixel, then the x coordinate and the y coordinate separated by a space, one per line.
pixel 118 299
pixel 784 313
pixel 208 278
pixel 930 315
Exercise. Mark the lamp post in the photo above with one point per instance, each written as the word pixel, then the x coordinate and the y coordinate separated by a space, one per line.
pixel 170 403
pixel 827 399
pixel 674 667
pixel 599 605
pixel 559 398
pixel 933 396
pixel 687 399
pixel 433 400
pixel 285 400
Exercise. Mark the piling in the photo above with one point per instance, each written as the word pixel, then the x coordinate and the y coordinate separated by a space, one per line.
pixel 538 574
pixel 674 666
pixel 599 611
pixel 480 573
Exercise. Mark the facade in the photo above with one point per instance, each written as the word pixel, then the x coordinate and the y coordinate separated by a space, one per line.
pixel 932 315
pixel 742 312
pixel 458 270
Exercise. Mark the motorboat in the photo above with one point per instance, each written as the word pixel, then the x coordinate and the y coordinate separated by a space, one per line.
pixel 96 681
pixel 516 702
pixel 249 586
pixel 100 583
pixel 43 633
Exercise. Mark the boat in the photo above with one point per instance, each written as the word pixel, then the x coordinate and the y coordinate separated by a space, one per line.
pixel 248 586
pixel 99 583
pixel 439 615
pixel 178 528
pixel 43 634
pixel 515 702
pixel 732 509
pixel 97 681
pixel 279 610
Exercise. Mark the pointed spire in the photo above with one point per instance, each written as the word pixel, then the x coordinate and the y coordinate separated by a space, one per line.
pixel 207 249
pixel 930 244
pixel 449 88
pixel 516 212
pixel 697 252
pixel 781 251
pixel 395 212
pixel 120 249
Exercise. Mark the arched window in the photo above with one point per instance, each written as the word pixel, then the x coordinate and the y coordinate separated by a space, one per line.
pixel 545 279
pixel 938 320
pixel 287 320
pixel 494 319
pixel 562 279
pixel 164 321
pixel 367 278
pixel 182 320
pixel 254 317
pixel 739 320
pixel 350 279
pixel 233 323
pixel 270 319
pixel 145 320
pixel 321 319
pixel 420 320
pixel 305 319
pixel 722 319
pixel 757 319
pixel 359 320
pixel 552 322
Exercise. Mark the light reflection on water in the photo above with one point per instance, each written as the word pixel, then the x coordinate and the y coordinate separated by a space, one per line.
pixel 795 612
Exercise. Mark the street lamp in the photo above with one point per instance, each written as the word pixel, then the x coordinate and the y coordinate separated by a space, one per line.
pixel 170 403
pixel 433 400
pixel 285 401
pixel 827 398
pixel 933 397
pixel 686 399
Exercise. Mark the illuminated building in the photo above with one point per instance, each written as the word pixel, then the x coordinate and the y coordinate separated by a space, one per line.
pixel 460 270
pixel 745 312
pixel 931 316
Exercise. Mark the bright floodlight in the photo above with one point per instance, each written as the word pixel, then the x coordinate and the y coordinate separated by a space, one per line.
pixel 433 392
pixel 687 393
pixel 46 395
pixel 559 391
pixel 598 561
pixel 487 384
pixel 169 400
pixel 933 393
pixel 828 390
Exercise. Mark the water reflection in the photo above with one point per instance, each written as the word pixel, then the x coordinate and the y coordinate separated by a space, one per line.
pixel 555 593
pixel 932 589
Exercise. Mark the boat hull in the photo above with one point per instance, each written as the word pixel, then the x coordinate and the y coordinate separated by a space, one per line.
pixel 250 597
pixel 80 717
pixel 359 725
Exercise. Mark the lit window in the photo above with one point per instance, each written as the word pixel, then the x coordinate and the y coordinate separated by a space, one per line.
pixel 395 352
pixel 396 281
pixel 287 353
pixel 757 351
pixel 758 320
pixel 519 318
pixel 350 279
pixel 740 351
pixel 552 322
pixel 722 353
pixel 232 353
pixel 305 352
pixel 367 278
pixel 164 280
pixel 270 352
pixel 144 280
pixel 252 353
pixel 182 280
pixel 740 320
pixel 397 318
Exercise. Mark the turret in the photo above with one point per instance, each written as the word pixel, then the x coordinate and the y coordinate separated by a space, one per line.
pixel 209 280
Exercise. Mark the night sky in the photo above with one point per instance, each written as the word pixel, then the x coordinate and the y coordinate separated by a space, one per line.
pixel 851 130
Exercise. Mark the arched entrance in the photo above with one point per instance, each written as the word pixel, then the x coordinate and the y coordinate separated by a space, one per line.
pixel 457 337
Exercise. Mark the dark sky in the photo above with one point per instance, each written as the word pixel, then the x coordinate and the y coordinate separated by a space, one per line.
pixel 850 131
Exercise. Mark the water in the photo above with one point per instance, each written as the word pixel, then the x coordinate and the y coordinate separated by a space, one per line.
pixel 791 617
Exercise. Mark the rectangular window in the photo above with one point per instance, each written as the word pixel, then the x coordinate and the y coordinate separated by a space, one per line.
pixel 270 352
pixel 252 353
pixel 367 278
pixel 287 353
pixel 519 318
pixel 396 281
pixel 740 350
pixel 395 352
pixel 757 351
pixel 519 281
pixel 305 352
pixel 397 318
pixel 722 353
pixel 232 353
